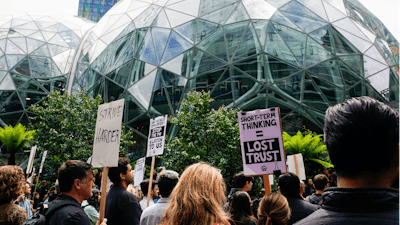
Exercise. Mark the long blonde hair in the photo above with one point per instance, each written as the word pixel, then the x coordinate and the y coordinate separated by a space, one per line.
pixel 197 198
pixel 273 207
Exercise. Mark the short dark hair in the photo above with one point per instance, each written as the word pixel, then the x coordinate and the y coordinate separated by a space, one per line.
pixel 353 132
pixel 114 172
pixel 289 184
pixel 145 186
pixel 320 181
pixel 71 170
pixel 241 179
pixel 167 180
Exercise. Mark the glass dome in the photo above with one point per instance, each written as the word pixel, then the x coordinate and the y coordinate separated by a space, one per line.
pixel 300 55
pixel 36 53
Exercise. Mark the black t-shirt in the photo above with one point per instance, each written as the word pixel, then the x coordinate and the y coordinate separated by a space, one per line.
pixel 122 207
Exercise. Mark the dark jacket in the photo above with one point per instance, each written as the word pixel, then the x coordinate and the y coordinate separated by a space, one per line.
pixel 230 197
pixel 299 209
pixel 68 215
pixel 314 199
pixel 309 190
pixel 122 207
pixel 356 206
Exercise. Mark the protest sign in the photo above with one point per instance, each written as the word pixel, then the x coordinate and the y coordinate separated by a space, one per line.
pixel 108 134
pixel 155 143
pixel 261 142
pixel 296 165
pixel 139 171
pixel 30 161
pixel 43 159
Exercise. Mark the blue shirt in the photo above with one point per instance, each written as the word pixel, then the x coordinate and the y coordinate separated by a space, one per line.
pixel 26 204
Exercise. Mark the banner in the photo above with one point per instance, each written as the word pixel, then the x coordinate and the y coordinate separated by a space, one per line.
pixel 108 134
pixel 30 161
pixel 155 143
pixel 139 171
pixel 296 165
pixel 261 142
pixel 43 159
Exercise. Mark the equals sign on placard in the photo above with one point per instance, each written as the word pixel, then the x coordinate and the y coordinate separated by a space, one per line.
pixel 259 133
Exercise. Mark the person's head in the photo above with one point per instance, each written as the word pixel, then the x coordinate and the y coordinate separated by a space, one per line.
pixel 362 135
pixel 44 183
pixel 122 173
pixel 302 188
pixel 289 184
pixel 242 182
pixel 144 186
pixel 75 178
pixel 198 197
pixel 309 182
pixel 36 195
pixel 27 189
pixel 240 208
pixel 166 181
pixel 262 192
pixel 320 182
pixel 12 183
pixel 273 209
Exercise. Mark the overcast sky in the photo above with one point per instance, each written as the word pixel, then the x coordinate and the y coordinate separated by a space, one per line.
pixel 386 10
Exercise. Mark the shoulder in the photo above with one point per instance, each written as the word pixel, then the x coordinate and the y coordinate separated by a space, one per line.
pixel 15 213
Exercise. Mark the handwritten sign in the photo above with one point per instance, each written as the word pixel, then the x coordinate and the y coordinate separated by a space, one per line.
pixel 30 161
pixel 261 142
pixel 107 136
pixel 155 143
pixel 296 165
pixel 139 171
pixel 43 159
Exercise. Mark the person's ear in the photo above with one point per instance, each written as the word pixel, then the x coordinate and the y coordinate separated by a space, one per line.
pixel 122 176
pixel 77 184
pixel 314 186
pixel 279 188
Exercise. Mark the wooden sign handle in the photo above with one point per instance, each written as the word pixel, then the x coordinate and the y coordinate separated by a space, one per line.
pixel 103 193
pixel 153 160
pixel 267 186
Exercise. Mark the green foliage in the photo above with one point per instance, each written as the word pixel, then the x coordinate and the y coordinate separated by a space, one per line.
pixel 14 139
pixel 65 126
pixel 310 145
pixel 204 135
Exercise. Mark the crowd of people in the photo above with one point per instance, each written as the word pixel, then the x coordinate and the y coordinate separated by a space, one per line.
pixel 362 138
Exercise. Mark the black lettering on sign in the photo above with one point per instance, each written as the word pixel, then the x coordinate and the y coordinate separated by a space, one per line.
pixel 157 132
pixel 261 151
pixel 106 136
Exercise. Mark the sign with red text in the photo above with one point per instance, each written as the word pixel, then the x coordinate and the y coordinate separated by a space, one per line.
pixel 261 141
pixel 108 134
pixel 155 143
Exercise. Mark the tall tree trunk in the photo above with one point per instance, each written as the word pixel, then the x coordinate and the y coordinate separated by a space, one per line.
pixel 11 158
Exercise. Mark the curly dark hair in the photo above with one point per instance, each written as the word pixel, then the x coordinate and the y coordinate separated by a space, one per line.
pixel 12 183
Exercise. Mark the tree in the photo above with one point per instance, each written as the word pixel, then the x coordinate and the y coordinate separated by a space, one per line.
pixel 312 148
pixel 65 125
pixel 14 139
pixel 204 135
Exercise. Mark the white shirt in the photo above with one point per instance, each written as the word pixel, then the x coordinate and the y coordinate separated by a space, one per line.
pixel 143 203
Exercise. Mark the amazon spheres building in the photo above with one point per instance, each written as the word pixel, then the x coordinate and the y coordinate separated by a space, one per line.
pixel 299 55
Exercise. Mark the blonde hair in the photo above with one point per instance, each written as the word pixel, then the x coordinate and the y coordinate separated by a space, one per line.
pixel 274 207
pixel 12 183
pixel 197 198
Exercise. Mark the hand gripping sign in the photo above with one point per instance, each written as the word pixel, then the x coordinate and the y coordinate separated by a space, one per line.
pixel 155 143
pixel 261 141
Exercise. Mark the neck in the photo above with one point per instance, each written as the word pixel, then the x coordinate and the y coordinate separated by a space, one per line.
pixel 74 196
pixel 368 179
pixel 319 192
pixel 122 184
